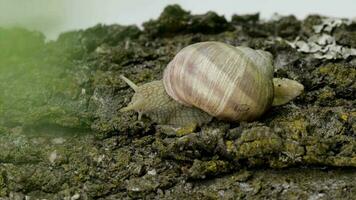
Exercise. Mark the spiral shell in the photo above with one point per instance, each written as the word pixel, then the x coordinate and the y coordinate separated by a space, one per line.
pixel 231 83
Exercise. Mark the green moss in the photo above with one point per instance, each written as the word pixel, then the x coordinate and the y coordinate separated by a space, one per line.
pixel 315 152
pixel 187 129
pixel 325 95
pixel 338 74
pixel 258 142
pixel 296 128
pixel 3 184
pixel 230 147
pixel 294 150
pixel 122 159
pixel 204 169
pixel 342 161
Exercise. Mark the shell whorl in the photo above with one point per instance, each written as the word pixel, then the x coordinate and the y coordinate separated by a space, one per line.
pixel 233 83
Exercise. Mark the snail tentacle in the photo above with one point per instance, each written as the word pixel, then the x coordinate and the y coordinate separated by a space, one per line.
pixel 129 82
pixel 133 106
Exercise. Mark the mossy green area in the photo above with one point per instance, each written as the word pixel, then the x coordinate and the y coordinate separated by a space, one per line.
pixel 62 135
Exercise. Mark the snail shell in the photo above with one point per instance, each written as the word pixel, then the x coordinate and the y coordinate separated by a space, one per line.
pixel 232 83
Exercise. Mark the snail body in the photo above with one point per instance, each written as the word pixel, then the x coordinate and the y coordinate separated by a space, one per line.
pixel 213 79
pixel 152 100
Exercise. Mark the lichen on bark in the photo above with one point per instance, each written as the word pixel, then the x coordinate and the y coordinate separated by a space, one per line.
pixel 62 135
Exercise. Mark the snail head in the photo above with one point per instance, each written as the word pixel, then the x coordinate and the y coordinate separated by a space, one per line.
pixel 137 102
pixel 285 90
pixel 148 97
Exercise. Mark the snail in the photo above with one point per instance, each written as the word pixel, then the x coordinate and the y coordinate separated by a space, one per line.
pixel 213 79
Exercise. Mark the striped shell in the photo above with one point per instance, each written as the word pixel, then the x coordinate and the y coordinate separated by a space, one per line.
pixel 231 83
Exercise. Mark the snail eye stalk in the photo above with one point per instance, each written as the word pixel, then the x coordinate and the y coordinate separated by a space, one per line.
pixel 129 82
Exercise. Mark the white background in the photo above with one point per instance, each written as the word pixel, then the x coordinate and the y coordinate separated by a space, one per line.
pixel 55 16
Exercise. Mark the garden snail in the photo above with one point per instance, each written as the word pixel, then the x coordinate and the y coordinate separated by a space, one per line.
pixel 213 79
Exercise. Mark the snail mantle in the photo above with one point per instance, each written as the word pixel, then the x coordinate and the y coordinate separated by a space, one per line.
pixel 213 79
